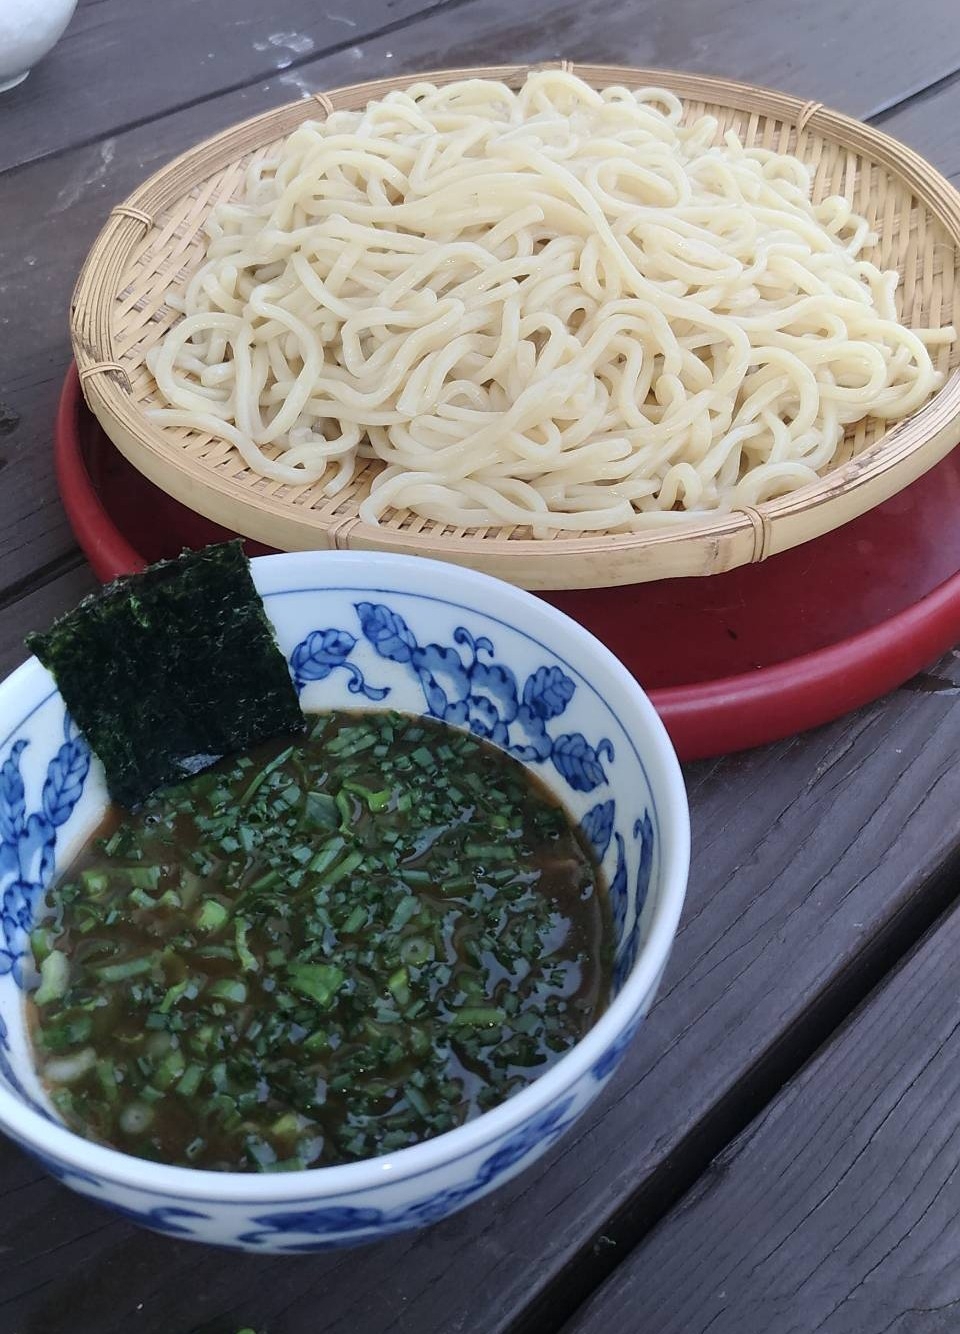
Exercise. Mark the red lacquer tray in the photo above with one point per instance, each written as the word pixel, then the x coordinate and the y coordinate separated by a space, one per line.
pixel 730 661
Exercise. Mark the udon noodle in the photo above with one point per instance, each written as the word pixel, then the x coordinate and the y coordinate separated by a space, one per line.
pixel 550 307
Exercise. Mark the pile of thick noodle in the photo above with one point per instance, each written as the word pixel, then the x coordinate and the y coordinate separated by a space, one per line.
pixel 551 307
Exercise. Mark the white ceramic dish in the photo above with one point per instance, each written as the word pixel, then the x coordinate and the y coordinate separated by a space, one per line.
pixel 426 638
pixel 28 30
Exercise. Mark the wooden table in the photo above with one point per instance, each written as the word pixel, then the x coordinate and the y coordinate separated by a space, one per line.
pixel 779 1152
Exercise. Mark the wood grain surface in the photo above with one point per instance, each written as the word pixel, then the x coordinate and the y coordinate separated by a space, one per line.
pixel 817 863
pixel 837 1212
pixel 130 61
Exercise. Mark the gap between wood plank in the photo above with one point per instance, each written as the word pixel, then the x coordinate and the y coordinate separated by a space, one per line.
pixel 631 1224
pixel 834 1210
pixel 879 113
pixel 37 579
pixel 297 63
pixel 886 109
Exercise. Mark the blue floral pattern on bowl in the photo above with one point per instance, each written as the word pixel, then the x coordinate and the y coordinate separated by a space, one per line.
pixel 356 642
pixel 328 1226
pixel 463 684
pixel 28 841
pixel 460 688
pixel 315 658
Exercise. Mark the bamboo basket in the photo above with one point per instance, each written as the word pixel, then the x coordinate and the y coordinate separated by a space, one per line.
pixel 153 242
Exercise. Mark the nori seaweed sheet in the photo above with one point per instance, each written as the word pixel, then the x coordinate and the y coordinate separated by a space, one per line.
pixel 167 671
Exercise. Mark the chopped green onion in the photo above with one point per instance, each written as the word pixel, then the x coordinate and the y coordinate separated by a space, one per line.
pixel 190 1081
pixel 264 773
pixel 355 921
pixel 213 915
pixel 170 1069
pixel 114 842
pixel 478 1016
pixel 54 978
pixel 416 1100
pixel 319 981
pixel 405 911
pixel 342 869
pixel 328 854
pixel 247 960
pixel 320 809
pixel 68 1069
pixel 376 801
pixel 227 989
pixel 413 876
pixel 303 979
pixel 261 1153
pixel 41 943
pixel 397 985
pixel 136 1118
pixel 119 972
pixel 288 1124
pixel 107 1076
pixel 345 807
pixel 143 877
pixel 416 950
pixel 490 852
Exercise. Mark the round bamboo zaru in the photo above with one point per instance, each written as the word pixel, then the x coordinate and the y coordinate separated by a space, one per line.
pixel 153 242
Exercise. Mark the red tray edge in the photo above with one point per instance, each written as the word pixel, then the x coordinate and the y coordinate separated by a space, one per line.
pixel 730 714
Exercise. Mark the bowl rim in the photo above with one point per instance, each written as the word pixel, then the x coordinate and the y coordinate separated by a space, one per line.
pixel 73 1152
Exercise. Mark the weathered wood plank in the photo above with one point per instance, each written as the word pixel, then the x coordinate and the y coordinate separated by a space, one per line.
pixel 836 1212
pixel 124 63
pixel 38 609
pixel 805 853
pixel 53 209
pixel 926 123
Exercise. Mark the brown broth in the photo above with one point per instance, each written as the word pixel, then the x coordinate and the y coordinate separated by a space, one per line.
pixel 329 948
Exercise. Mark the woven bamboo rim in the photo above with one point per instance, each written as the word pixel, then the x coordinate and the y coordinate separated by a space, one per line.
pixel 151 244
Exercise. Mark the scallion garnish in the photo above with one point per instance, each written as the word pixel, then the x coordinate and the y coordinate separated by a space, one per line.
pixel 319 952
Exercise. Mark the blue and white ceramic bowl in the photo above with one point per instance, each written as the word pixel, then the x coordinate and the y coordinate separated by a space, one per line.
pixel 364 631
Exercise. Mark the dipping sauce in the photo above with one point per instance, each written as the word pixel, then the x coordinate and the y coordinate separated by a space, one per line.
pixel 320 951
